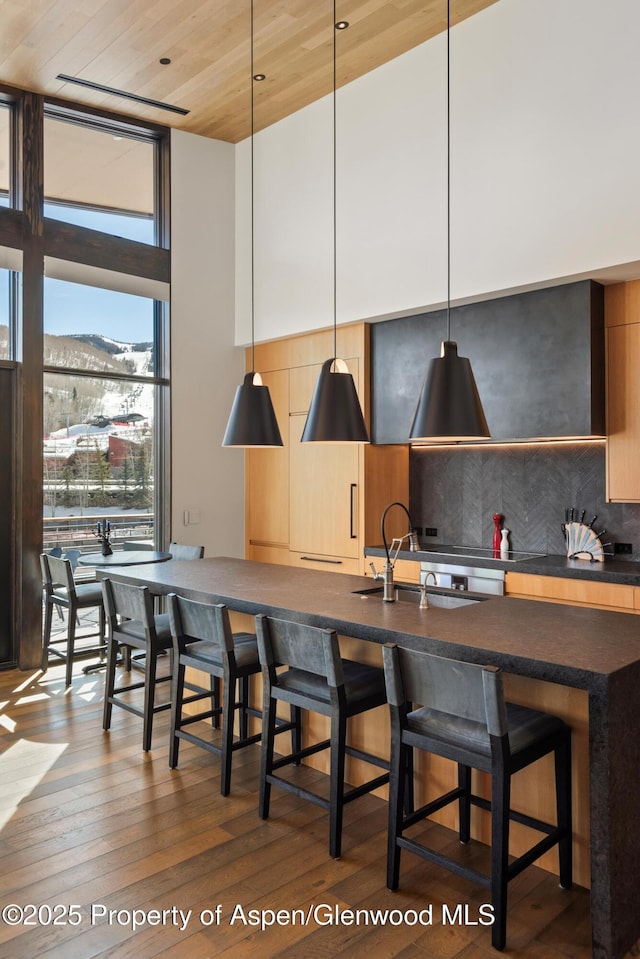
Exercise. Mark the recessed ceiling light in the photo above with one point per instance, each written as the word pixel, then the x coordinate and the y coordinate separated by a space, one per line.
pixel 342 24
pixel 164 61
pixel 259 76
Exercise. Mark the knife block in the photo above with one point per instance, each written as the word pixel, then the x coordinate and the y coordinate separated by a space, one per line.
pixel 583 543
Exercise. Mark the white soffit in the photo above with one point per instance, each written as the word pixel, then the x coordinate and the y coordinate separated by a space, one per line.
pixel 10 259
pixel 105 279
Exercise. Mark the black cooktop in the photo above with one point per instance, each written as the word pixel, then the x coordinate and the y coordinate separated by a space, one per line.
pixel 480 552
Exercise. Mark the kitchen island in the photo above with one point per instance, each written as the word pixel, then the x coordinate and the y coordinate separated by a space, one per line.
pixel 595 651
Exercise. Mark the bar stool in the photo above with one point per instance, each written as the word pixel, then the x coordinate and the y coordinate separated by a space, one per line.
pixel 462 715
pixel 181 551
pixel 132 625
pixel 202 639
pixel 61 591
pixel 317 679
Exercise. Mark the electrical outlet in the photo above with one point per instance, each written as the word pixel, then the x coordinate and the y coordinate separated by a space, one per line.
pixel 623 548
pixel 431 531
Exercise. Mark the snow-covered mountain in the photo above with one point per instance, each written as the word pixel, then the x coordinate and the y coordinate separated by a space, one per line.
pixel 136 357
pixel 82 410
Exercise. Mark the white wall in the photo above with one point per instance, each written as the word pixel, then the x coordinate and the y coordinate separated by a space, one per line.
pixel 545 179
pixel 206 368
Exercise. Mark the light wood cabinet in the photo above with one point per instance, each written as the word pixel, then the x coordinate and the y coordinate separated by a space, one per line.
pixel 329 563
pixel 406 571
pixel 314 504
pixel 267 481
pixel 324 490
pixel 622 319
pixel 574 592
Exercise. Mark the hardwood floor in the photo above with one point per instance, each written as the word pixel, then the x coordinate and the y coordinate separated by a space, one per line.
pixel 89 821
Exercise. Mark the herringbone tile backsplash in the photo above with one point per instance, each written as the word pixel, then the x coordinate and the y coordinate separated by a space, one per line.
pixel 458 490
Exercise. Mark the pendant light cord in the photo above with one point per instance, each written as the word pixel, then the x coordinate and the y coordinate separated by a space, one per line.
pixel 253 344
pixel 448 174
pixel 335 232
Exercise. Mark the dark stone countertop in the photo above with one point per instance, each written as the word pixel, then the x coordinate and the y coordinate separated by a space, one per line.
pixel 571 645
pixel 610 571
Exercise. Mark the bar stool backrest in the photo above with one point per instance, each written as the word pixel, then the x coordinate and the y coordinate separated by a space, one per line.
pixel 192 621
pixel 57 574
pixel 463 690
pixel 180 551
pixel 302 647
pixel 131 603
pixel 73 555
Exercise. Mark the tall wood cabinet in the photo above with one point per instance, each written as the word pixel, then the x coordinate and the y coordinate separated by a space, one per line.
pixel 622 321
pixel 311 504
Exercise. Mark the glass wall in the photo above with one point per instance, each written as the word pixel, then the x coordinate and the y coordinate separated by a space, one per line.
pixel 101 369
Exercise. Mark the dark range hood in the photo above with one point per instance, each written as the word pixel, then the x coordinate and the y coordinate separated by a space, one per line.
pixel 538 361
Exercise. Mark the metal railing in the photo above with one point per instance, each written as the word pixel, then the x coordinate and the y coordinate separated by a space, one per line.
pixel 79 532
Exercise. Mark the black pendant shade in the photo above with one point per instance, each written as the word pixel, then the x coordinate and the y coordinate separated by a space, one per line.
pixel 335 415
pixel 252 421
pixel 449 407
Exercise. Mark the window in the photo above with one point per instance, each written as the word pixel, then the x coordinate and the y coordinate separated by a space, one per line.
pixel 98 460
pixel 101 179
pixel 10 290
pixel 101 441
pixel 105 378
pixel 5 313
pixel 5 153
pixel 88 328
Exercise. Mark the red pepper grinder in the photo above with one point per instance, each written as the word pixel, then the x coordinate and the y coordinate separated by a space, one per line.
pixel 497 535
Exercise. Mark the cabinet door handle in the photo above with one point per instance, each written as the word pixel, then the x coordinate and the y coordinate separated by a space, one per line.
pixel 353 529
pixel 319 559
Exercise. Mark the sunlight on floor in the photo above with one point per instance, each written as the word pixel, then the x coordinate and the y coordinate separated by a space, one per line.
pixel 25 763
pixel 7 722
pixel 34 698
pixel 22 767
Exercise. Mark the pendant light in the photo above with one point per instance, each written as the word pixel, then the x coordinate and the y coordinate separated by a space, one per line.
pixel 252 421
pixel 335 415
pixel 449 407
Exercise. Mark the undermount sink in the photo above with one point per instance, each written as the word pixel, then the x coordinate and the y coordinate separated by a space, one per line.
pixel 411 594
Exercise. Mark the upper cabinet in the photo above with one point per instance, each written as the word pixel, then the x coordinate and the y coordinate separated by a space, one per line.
pixel 622 312
pixel 316 504
pixel 538 361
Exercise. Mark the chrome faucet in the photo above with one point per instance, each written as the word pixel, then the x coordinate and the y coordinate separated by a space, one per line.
pixel 424 602
pixel 388 591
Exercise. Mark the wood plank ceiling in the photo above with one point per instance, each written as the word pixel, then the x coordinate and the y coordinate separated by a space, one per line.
pixel 119 43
